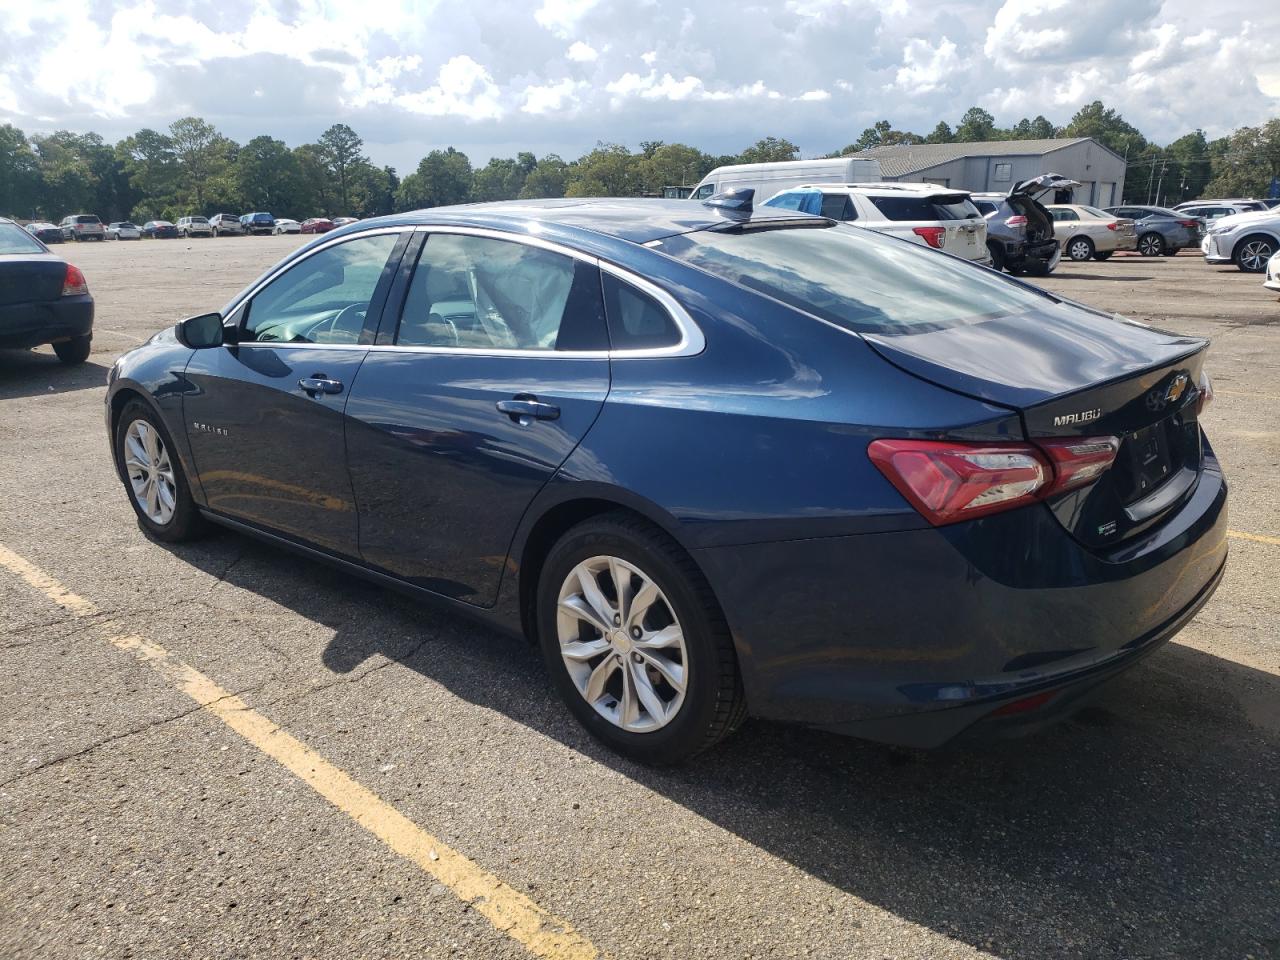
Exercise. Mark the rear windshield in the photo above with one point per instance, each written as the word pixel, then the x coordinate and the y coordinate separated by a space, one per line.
pixel 860 280
pixel 13 239
pixel 199 220
pixel 947 207
pixel 88 219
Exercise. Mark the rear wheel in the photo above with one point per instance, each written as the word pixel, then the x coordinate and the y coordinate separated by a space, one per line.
pixel 153 476
pixel 635 641
pixel 73 351
pixel 1151 245
pixel 1079 249
pixel 1252 253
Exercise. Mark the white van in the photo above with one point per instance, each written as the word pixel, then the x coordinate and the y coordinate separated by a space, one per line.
pixel 766 179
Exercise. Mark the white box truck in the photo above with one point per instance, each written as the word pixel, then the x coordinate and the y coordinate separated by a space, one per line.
pixel 766 179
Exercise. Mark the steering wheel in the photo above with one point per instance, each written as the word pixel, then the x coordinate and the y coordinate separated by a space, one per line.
pixel 440 321
pixel 338 321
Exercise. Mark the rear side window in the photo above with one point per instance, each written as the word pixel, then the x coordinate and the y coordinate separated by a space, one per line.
pixel 636 320
pixel 855 278
pixel 838 206
pixel 486 294
pixel 925 208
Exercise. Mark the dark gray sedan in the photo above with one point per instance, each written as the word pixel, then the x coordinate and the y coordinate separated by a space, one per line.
pixel 1161 231
pixel 43 299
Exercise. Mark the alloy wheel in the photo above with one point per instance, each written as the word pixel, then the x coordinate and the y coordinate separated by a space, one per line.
pixel 1255 254
pixel 621 644
pixel 1150 245
pixel 150 472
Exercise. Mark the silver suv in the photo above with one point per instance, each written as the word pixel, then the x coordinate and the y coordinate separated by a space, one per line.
pixel 226 224
pixel 924 213
pixel 194 227
pixel 82 226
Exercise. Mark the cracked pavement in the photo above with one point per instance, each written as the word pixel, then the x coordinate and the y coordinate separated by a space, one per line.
pixel 132 823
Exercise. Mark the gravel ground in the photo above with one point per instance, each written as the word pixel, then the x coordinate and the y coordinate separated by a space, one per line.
pixel 132 825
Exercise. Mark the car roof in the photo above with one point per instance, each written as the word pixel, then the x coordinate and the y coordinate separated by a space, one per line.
pixel 884 189
pixel 634 220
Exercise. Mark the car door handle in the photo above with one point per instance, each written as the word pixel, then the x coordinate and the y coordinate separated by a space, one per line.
pixel 524 408
pixel 318 383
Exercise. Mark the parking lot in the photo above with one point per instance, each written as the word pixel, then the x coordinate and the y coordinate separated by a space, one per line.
pixel 221 750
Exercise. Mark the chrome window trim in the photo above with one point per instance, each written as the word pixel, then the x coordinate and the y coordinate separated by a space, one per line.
pixel 691 342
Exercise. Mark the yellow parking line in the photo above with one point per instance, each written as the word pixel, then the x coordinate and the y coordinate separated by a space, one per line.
pixel 511 912
pixel 1260 538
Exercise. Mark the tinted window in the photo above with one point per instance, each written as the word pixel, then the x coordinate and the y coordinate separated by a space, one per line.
pixel 985 206
pixel 323 298
pixel 14 239
pixel 855 278
pixel 483 293
pixel 1064 215
pixel 704 191
pixel 925 208
pixel 838 206
pixel 636 320
pixel 87 220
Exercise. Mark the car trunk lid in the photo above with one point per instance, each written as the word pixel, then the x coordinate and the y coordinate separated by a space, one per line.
pixel 28 279
pixel 1073 372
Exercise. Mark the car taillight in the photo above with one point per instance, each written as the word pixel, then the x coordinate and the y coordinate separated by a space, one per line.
pixel 1206 393
pixel 1188 223
pixel 1016 221
pixel 74 284
pixel 1113 226
pixel 950 482
pixel 934 236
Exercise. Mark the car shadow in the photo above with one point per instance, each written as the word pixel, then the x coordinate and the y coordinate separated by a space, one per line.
pixel 1067 275
pixel 1147 825
pixel 24 373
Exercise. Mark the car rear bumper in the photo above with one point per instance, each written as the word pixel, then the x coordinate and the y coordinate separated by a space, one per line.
pixel 1018 253
pixel 913 637
pixel 32 324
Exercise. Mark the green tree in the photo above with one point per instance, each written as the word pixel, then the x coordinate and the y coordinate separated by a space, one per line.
pixel 1042 129
pixel 443 177
pixel 502 178
pixel 1190 167
pixel 317 196
pixel 672 164
pixel 610 170
pixel 547 179
pixel 19 173
pixel 1106 126
pixel 770 150
pixel 203 158
pixel 341 149
pixel 976 125
pixel 268 177
pixel 942 133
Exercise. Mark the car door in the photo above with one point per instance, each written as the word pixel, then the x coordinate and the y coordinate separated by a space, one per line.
pixel 264 413
pixel 497 367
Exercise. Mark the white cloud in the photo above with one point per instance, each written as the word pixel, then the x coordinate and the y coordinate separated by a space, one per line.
pixel 814 95
pixel 582 52
pixel 463 88
pixel 561 16
pixel 551 97
pixel 926 68
pixel 649 57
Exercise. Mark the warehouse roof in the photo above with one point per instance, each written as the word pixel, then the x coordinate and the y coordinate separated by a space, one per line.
pixel 900 160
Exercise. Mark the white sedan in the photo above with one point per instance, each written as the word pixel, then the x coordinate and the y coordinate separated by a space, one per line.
pixel 1273 274
pixel 123 230
pixel 285 225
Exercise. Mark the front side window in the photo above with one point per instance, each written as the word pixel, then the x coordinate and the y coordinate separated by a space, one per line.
pixel 486 294
pixel 14 239
pixel 323 298
pixel 704 191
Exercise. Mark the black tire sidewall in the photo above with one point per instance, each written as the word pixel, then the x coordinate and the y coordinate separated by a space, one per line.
pixel 1240 248
pixel 74 351
pixel 683 736
pixel 1076 240
pixel 186 520
pixel 1160 248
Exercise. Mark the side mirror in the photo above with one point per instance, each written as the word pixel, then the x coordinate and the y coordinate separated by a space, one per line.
pixel 201 332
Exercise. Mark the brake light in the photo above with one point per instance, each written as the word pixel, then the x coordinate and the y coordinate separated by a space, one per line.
pixel 1188 223
pixel 1113 226
pixel 1206 393
pixel 74 284
pixel 1016 221
pixel 949 482
pixel 935 237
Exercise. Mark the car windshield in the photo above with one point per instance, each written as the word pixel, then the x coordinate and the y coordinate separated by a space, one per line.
pixel 860 280
pixel 13 239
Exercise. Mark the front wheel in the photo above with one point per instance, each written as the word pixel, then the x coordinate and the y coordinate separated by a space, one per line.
pixel 153 476
pixel 1079 249
pixel 1252 253
pixel 635 642
pixel 74 351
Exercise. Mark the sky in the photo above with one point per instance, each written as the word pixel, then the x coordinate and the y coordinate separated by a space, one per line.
pixel 493 77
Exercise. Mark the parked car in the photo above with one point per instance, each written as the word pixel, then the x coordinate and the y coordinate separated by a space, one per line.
pixel 82 226
pixel 226 224
pixel 1273 274
pixel 766 179
pixel 1161 231
pixel 1271 202
pixel 44 232
pixel 159 230
pixel 260 223
pixel 43 299
pixel 1020 233
pixel 343 221
pixel 123 230
pixel 285 225
pixel 1208 211
pixel 1249 240
pixel 194 227
pixel 317 225
pixel 923 213
pixel 1087 232
pixel 551 397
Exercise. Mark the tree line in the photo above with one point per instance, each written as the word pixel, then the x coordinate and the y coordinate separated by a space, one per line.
pixel 191 168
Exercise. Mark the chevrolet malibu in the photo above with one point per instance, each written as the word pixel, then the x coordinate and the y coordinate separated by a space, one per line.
pixel 714 461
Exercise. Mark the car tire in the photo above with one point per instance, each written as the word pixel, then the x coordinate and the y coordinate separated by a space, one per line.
pixel 1079 249
pixel 1039 269
pixel 1253 252
pixel 694 645
pixel 184 521
pixel 1151 245
pixel 74 351
pixel 1103 256
pixel 997 256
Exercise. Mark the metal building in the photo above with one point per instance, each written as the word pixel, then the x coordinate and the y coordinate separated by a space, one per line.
pixel 996 165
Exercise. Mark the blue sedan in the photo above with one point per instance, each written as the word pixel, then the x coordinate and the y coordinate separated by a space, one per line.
pixel 716 461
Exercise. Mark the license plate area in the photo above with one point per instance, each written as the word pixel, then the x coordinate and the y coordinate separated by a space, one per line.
pixel 1149 458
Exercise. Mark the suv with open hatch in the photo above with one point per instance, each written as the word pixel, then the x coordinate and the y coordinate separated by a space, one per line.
pixel 1020 231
